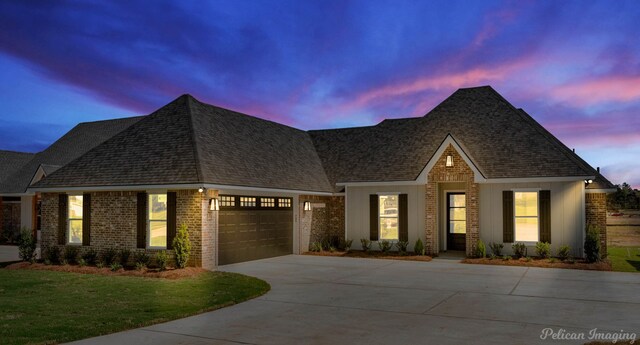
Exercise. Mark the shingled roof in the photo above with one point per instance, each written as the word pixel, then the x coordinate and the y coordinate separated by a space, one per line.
pixel 10 161
pixel 188 142
pixel 502 141
pixel 72 145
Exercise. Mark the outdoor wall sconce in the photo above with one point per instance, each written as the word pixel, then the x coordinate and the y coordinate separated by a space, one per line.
pixel 214 205
pixel 588 182
pixel 307 206
pixel 449 160
pixel 201 189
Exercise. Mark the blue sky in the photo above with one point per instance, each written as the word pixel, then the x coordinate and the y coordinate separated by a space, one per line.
pixel 573 65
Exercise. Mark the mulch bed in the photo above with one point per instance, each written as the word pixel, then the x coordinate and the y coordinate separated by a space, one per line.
pixel 535 262
pixel 372 255
pixel 169 273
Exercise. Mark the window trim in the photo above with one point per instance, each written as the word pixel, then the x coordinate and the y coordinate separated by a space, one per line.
pixel 397 217
pixel 149 221
pixel 69 219
pixel 515 216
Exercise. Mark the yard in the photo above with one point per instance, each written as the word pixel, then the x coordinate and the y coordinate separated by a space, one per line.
pixel 51 307
pixel 625 259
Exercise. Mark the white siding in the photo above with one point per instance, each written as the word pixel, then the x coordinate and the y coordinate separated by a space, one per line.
pixel 357 211
pixel 567 214
pixel 26 212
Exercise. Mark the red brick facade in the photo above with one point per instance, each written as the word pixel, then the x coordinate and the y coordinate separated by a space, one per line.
pixel 325 219
pixel 459 172
pixel 596 214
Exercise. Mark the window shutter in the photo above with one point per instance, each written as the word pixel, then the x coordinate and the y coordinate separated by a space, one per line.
pixel 373 217
pixel 142 220
pixel 545 215
pixel 86 219
pixel 62 218
pixel 507 216
pixel 403 218
pixel 171 218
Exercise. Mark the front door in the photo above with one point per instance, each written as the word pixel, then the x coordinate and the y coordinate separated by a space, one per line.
pixel 456 221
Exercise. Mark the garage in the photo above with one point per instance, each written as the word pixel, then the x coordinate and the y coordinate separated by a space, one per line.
pixel 254 227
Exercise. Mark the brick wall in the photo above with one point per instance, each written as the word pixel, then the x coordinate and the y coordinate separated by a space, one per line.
pixel 114 219
pixel 459 172
pixel 596 214
pixel 326 219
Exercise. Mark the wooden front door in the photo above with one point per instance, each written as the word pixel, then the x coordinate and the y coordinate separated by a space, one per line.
pixel 456 221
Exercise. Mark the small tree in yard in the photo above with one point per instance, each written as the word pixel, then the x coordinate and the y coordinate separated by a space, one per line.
pixel 27 246
pixel 182 246
pixel 592 244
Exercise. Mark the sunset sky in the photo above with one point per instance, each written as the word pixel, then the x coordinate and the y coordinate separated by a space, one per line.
pixel 574 66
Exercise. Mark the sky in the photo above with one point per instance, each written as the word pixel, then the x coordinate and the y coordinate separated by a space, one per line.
pixel 572 65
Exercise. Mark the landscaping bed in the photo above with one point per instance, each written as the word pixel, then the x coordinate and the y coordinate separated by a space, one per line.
pixel 372 255
pixel 39 306
pixel 169 273
pixel 537 262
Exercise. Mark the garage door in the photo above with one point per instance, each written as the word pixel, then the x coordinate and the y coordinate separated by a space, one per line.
pixel 252 228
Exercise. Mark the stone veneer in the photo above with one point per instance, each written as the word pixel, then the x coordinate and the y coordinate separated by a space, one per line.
pixel 596 214
pixel 114 218
pixel 459 172
pixel 325 220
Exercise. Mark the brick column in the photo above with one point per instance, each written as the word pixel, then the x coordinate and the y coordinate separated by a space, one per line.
pixel 596 214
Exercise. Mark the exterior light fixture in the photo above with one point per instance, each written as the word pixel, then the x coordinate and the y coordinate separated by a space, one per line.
pixel 449 160
pixel 588 181
pixel 214 205
pixel 307 206
pixel 201 189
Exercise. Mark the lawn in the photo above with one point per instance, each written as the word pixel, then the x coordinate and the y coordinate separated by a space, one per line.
pixel 624 259
pixel 49 307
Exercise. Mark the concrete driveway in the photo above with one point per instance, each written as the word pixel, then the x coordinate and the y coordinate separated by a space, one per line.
pixel 328 300
pixel 9 253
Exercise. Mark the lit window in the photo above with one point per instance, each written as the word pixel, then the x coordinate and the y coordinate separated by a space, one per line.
pixel 268 202
pixel 457 213
pixel 157 227
pixel 246 201
pixel 388 217
pixel 526 216
pixel 74 235
pixel 227 201
pixel 284 203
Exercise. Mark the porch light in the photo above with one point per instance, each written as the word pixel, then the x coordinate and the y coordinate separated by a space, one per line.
pixel 201 189
pixel 588 181
pixel 449 160
pixel 214 205
pixel 307 206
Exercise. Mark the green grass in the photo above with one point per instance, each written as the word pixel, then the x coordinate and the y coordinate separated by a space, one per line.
pixel 624 259
pixel 48 307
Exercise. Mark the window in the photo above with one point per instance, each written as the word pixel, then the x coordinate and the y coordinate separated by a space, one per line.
pixel 267 202
pixel 74 235
pixel 457 213
pixel 246 201
pixel 388 217
pixel 227 201
pixel 284 203
pixel 526 216
pixel 157 227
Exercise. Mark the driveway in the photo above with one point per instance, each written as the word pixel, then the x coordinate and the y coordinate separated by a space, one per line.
pixel 329 300
pixel 9 253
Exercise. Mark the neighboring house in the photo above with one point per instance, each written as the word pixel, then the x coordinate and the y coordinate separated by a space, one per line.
pixel 473 168
pixel 27 169
pixel 10 161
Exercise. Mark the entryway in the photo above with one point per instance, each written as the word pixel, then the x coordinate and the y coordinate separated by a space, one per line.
pixel 456 221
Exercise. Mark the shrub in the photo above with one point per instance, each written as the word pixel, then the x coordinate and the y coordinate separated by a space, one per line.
pixel 53 255
pixel 109 256
pixel 124 257
pixel 592 244
pixel 481 250
pixel 90 256
pixel 564 252
pixel 182 246
pixel 552 260
pixel 27 246
pixel 492 256
pixel 82 262
pixel 366 244
pixel 347 245
pixel 161 260
pixel 519 250
pixel 571 261
pixel 141 259
pixel 384 245
pixel 543 249
pixel 140 266
pixel 315 247
pixel 115 266
pixel 402 247
pixel 100 264
pixel 418 248
pixel 71 254
pixel 332 249
pixel 496 248
pixel 506 257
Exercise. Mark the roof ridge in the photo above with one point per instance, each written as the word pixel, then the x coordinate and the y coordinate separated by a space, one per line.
pixel 196 152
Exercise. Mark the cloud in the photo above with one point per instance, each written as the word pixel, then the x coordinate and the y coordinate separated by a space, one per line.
pixel 606 89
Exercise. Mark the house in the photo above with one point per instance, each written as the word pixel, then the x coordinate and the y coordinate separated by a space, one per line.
pixel 21 208
pixel 474 167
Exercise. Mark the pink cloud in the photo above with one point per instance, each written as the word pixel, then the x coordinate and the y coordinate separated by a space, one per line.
pixel 602 90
